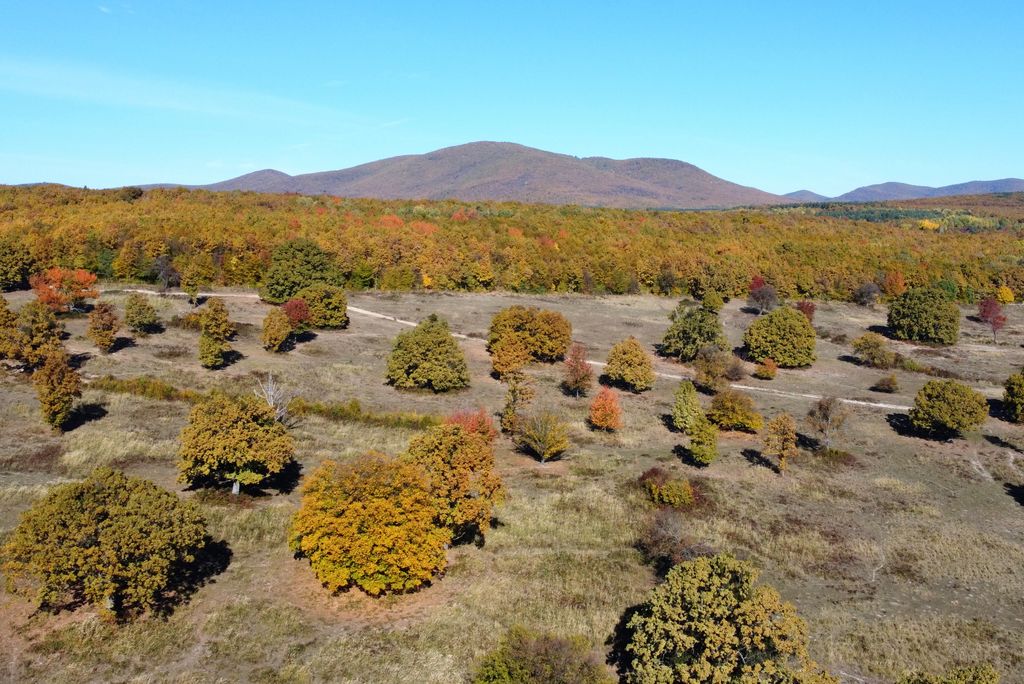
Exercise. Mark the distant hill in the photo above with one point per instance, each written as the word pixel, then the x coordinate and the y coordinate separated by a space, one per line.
pixel 506 171
pixel 805 196
pixel 901 191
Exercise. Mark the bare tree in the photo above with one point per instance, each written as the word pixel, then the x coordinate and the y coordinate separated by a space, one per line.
pixel 827 417
pixel 277 397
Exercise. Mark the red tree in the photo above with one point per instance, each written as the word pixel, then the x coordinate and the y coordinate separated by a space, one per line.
pixel 991 311
pixel 479 422
pixel 64 289
pixel 579 376
pixel 605 413
pixel 807 309
pixel 297 312
pixel 756 283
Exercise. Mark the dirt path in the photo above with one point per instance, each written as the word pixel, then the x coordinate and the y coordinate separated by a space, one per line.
pixel 412 324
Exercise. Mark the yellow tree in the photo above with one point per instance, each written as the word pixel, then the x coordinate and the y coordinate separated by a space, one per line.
pixel 780 439
pixel 57 385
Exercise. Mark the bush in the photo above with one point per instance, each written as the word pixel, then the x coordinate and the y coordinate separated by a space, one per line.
pixel 785 336
pixel 370 523
pixel 296 265
pixel 605 413
pixel 509 355
pixel 947 406
pixel 460 465
pixel 327 305
pixel 873 350
pixel 691 330
pixel 139 314
pixel 665 490
pixel 709 622
pixel 979 674
pixel 867 294
pixel 703 447
pixel 477 422
pixel 763 298
pixel 103 326
pixel 527 657
pixel 57 386
pixel 685 407
pixel 1013 397
pixel 887 384
pixel 544 435
pixel 630 365
pixel 924 315
pixel 734 410
pixel 666 541
pixel 712 301
pixel 298 314
pixel 827 416
pixel 113 541
pixel 145 386
pixel 277 330
pixel 780 440
pixel 427 357
pixel 766 370
pixel 711 366
pixel 37 331
pixel 544 334
pixel 237 440
pixel 579 376
pixel 807 308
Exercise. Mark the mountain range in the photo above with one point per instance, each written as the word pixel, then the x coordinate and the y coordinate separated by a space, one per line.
pixel 506 171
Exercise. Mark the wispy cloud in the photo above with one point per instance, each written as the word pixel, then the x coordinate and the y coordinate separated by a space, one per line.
pixel 122 90
pixel 104 9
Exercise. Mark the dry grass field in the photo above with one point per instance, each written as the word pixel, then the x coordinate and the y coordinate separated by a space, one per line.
pixel 910 554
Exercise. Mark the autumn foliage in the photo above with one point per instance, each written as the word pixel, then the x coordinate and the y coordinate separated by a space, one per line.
pixel 103 326
pixel 605 412
pixel 579 376
pixel 545 335
pixel 58 385
pixel 630 365
pixel 64 289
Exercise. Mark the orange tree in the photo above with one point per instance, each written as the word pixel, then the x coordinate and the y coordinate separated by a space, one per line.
pixel 605 413
pixel 64 289
pixel 103 326
pixel 370 523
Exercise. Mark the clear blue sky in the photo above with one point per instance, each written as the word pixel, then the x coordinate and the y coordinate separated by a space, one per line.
pixel 779 95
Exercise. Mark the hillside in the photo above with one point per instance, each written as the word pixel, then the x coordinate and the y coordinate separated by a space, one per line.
pixel 902 191
pixel 482 171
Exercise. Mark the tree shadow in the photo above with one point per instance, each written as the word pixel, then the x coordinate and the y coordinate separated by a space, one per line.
pixel 1002 443
pixel 748 309
pixel 882 330
pixel 850 358
pixel 616 384
pixel 686 456
pixel 618 657
pixel 232 357
pixel 286 480
pixel 82 414
pixel 757 459
pixel 666 420
pixel 187 578
pixel 808 443
pixel 997 409
pixel 120 343
pixel 900 423
pixel 1016 492
pixel 304 337
pixel 76 361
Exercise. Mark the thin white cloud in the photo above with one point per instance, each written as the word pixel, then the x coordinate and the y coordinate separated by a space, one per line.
pixel 104 9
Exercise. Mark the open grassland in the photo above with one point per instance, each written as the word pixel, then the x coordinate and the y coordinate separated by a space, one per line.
pixel 910 554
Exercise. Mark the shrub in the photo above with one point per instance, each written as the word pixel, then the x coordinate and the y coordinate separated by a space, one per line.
pixel 827 417
pixel 1004 295
pixel 579 376
pixel 139 314
pixel 277 330
pixel 630 365
pixel 766 370
pixel 734 410
pixel 15 265
pixel 212 353
pixel 460 465
pixel 427 357
pixel 545 334
pixel 294 266
pixel 924 315
pixel 763 298
pixel 780 440
pixel 327 305
pixel 979 674
pixel 691 330
pixel 477 422
pixel 145 386
pixel 867 294
pixel 887 384
pixel 712 301
pixel 708 621
pixel 711 366
pixel 703 447
pixel 57 386
pixel 605 413
pixel 807 308
pixel 1013 397
pixel 785 336
pixel 528 657
pixel 38 330
pixel 103 326
pixel 233 439
pixel 298 314
pixel 685 407
pixel 370 523
pixel 544 435
pixel 873 350
pixel 351 411
pixel 114 541
pixel 665 490
pixel 519 394
pixel 64 289
pixel 666 541
pixel 509 355
pixel 947 406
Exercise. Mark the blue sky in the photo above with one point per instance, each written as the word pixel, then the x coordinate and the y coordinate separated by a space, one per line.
pixel 779 95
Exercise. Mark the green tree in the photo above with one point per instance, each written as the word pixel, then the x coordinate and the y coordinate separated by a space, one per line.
pixel 428 357
pixel 371 523
pixel 212 353
pixel 691 330
pixel 703 441
pixel 528 657
pixel 277 330
pixel 784 335
pixel 519 394
pixel 685 406
pixel 544 435
pixel 924 315
pixel 709 622
pixel 460 465
pixel 103 326
pixel 15 265
pixel 215 329
pixel 139 314
pixel 630 365
pixel 294 266
pixel 1013 397
pixel 947 406
pixel 236 440
pixel 58 385
pixel 328 305
pixel 39 330
pixel 114 541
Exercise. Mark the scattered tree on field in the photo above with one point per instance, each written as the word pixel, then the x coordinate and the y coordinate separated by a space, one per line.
pixel 605 412
pixel 711 366
pixel 294 266
pixel 57 385
pixel 37 331
pixel 477 422
pixel 691 330
pixel 780 440
pixel 518 396
pixel 114 541
pixel 233 440
pixel 630 365
pixel 1013 397
pixel 807 308
pixel 272 393
pixel 785 336
pixel 762 296
pixel 214 321
pixel 277 330
pixel 298 314
pixel 990 312
pixel 544 435
pixel 64 289
pixel 103 326
pixel 546 335
pixel 327 304
pixel 139 314
pixel 734 410
pixel 370 523
pixel 686 406
pixel 947 406
pixel 460 465
pixel 709 621
pixel 712 301
pixel 196 273
pixel 827 417
pixel 924 315
pixel 427 357
pixel 873 350
pixel 509 355
pixel 579 376
pixel 703 446
pixel 528 657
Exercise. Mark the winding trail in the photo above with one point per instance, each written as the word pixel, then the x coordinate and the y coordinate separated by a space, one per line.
pixel 598 364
